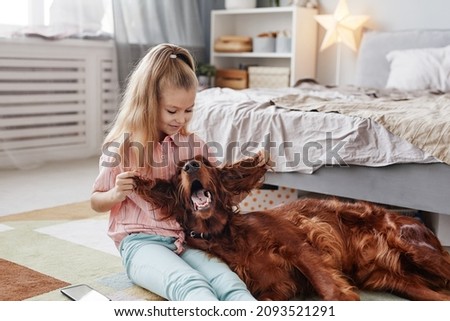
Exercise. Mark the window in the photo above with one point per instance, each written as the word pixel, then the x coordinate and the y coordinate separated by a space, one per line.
pixel 17 14
pixel 25 12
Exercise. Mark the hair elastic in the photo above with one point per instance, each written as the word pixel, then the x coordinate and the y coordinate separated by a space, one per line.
pixel 173 56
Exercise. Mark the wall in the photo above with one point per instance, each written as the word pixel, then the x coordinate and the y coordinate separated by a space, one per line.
pixel 384 15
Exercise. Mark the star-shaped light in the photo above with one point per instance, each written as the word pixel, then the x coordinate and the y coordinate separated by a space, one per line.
pixel 341 26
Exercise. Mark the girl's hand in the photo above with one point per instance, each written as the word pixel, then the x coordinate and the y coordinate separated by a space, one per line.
pixel 124 186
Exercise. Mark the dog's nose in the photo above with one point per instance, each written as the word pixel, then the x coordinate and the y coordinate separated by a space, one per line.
pixel 191 167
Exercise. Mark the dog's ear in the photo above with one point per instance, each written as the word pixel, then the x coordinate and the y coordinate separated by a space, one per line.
pixel 246 174
pixel 160 193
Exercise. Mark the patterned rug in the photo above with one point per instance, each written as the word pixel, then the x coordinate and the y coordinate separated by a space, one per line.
pixel 45 250
pixel 30 283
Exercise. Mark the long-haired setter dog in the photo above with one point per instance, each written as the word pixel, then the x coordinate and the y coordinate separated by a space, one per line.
pixel 328 248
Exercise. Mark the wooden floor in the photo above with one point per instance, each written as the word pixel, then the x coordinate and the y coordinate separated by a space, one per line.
pixel 48 185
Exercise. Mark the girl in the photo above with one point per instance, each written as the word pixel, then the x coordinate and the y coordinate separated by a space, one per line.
pixel 148 138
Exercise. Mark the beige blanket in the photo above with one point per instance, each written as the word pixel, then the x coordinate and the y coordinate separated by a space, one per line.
pixel 237 122
pixel 424 121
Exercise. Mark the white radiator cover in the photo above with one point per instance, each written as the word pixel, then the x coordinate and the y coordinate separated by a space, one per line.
pixel 56 99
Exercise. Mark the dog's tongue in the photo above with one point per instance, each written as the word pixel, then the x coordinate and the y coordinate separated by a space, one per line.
pixel 200 199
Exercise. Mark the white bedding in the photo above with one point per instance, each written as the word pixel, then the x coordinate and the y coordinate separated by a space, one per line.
pixel 236 123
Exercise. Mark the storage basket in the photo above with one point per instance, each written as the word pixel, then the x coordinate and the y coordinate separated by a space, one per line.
pixel 266 197
pixel 232 78
pixel 268 77
pixel 233 43
pixel 263 44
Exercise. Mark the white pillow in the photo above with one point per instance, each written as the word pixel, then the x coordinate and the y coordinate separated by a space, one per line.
pixel 419 69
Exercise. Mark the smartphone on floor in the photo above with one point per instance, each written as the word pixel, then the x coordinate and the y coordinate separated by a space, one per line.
pixel 83 292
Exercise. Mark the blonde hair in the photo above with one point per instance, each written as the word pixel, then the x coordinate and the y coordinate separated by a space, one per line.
pixel 164 66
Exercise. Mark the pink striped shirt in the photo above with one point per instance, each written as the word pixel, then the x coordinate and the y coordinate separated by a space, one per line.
pixel 135 215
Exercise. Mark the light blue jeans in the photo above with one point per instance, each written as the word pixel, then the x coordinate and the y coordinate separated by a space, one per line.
pixel 150 262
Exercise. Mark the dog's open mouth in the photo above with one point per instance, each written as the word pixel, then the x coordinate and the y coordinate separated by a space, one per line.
pixel 200 197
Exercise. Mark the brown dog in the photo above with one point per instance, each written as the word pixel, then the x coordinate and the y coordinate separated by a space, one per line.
pixel 310 246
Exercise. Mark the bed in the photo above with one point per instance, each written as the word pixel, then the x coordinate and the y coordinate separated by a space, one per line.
pixel 385 139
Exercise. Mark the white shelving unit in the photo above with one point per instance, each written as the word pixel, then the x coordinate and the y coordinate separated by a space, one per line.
pixel 298 21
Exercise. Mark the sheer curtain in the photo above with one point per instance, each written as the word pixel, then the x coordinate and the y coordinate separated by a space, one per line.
pixel 56 19
pixel 85 16
pixel 141 24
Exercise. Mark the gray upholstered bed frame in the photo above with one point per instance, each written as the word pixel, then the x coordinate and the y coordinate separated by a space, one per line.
pixel 422 187
pixel 418 186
